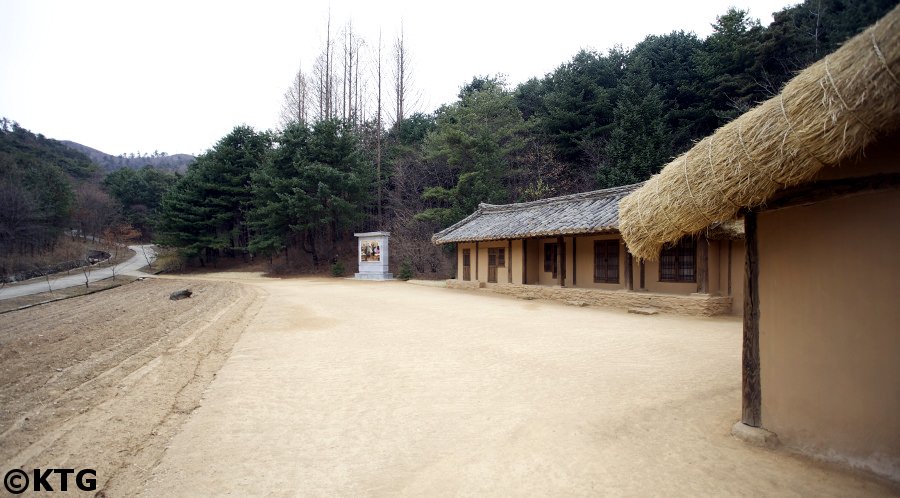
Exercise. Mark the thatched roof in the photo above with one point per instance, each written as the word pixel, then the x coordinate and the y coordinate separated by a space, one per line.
pixel 829 112
pixel 587 212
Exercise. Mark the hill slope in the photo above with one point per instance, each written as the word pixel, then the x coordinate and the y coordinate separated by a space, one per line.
pixel 175 162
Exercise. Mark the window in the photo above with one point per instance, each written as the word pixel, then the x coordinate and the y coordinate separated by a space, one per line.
pixel 606 261
pixel 497 257
pixel 678 263
pixel 550 257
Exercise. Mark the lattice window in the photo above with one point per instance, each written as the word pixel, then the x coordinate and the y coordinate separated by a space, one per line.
pixel 678 263
pixel 606 261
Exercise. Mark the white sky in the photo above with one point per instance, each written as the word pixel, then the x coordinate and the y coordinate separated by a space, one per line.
pixel 176 76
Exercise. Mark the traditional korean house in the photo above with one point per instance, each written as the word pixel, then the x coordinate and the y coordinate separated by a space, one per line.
pixel 815 174
pixel 569 248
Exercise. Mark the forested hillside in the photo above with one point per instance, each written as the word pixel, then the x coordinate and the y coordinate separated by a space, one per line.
pixel 37 198
pixel 48 190
pixel 598 120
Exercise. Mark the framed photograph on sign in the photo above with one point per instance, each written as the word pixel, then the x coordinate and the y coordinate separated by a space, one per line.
pixel 369 250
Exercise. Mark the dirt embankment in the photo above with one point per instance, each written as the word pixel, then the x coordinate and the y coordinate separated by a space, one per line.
pixel 104 381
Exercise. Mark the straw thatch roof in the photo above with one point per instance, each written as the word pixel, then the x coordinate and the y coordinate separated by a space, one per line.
pixel 829 112
pixel 587 212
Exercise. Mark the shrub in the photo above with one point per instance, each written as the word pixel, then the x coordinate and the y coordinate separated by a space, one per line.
pixel 337 269
pixel 169 261
pixel 406 271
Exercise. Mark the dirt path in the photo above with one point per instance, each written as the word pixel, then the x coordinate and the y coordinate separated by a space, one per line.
pixel 360 388
pixel 104 381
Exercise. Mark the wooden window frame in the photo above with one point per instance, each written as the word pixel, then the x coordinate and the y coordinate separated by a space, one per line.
pixel 684 255
pixel 602 251
pixel 500 254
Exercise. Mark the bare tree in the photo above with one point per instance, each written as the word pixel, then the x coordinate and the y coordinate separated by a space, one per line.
pixel 329 91
pixel 351 98
pixel 322 77
pixel 347 82
pixel 412 237
pixel 117 236
pixel 148 256
pixel 44 270
pixel 86 271
pixel 296 100
pixel 406 99
pixel 94 210
pixel 378 128
pixel 319 77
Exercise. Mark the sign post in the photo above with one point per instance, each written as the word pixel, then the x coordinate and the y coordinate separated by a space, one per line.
pixel 372 254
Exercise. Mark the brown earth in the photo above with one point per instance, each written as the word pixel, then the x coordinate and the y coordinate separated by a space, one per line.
pixel 104 381
pixel 337 387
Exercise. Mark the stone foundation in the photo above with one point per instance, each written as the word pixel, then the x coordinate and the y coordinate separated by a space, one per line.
pixel 694 304
pixel 464 284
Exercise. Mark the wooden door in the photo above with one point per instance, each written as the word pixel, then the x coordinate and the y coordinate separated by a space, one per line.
pixel 467 265
pixel 493 254
pixel 550 259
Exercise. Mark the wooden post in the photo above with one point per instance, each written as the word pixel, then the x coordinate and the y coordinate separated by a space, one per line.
pixel 751 400
pixel 509 262
pixel 703 265
pixel 476 261
pixel 560 262
pixel 574 262
pixel 629 270
pixel 643 287
pixel 524 261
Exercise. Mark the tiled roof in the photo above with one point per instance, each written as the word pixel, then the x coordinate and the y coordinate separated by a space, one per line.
pixel 587 212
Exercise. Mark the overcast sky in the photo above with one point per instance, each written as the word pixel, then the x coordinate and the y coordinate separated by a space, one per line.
pixel 176 76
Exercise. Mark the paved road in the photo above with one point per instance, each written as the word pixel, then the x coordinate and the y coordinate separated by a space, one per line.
pixel 76 278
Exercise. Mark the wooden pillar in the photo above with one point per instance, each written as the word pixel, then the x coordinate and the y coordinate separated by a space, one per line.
pixel 643 286
pixel 751 395
pixel 629 270
pixel 574 262
pixel 476 260
pixel 560 262
pixel 524 261
pixel 703 265
pixel 509 262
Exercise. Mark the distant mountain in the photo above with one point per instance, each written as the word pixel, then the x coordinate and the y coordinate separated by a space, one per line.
pixel 175 162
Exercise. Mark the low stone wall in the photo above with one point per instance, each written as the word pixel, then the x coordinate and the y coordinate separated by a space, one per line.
pixel 694 304
pixel 464 284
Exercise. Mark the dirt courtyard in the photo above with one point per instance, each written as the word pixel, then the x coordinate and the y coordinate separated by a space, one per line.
pixel 259 386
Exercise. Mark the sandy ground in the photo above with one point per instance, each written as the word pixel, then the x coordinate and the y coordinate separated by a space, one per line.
pixel 333 387
pixel 340 387
pixel 104 381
